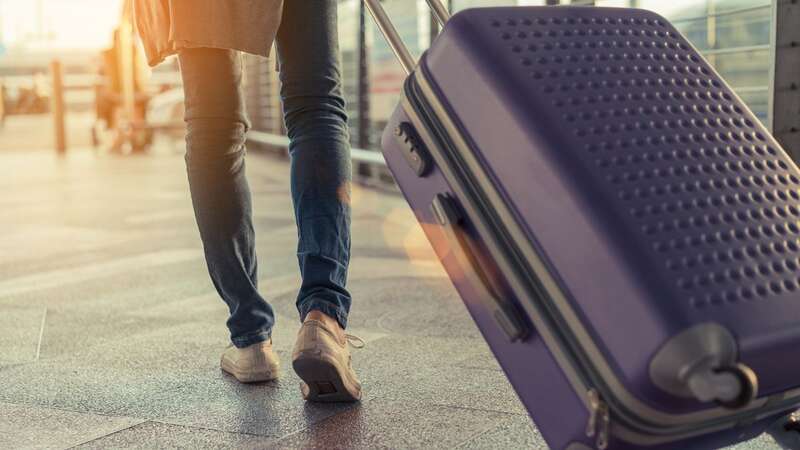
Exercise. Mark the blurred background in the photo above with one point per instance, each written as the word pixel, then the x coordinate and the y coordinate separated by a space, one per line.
pixel 110 328
pixel 112 102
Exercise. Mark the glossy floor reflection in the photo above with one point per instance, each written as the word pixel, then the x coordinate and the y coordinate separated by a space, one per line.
pixel 110 331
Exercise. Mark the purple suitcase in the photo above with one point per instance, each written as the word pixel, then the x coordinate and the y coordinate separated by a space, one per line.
pixel 622 229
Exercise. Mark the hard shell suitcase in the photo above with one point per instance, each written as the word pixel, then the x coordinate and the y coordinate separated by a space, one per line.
pixel 622 229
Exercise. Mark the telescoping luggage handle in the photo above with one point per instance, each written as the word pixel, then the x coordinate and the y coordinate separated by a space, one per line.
pixel 443 207
pixel 393 37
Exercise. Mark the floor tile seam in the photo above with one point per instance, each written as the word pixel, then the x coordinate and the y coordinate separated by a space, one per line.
pixel 363 402
pixel 488 429
pixel 17 364
pixel 467 408
pixel 70 410
pixel 205 428
pixel 96 438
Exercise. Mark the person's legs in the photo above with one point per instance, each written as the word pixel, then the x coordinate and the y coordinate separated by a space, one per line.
pixel 317 124
pixel 215 152
pixel 316 121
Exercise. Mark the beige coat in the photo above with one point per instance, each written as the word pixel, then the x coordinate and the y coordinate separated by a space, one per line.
pixel 166 26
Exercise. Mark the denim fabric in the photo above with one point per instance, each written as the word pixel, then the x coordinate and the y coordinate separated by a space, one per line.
pixel 314 111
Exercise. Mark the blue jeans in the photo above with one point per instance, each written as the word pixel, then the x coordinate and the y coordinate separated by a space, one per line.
pixel 314 111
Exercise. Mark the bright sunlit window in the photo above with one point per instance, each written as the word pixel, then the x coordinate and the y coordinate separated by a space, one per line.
pixel 70 24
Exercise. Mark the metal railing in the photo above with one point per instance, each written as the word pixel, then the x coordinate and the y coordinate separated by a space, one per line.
pixel 373 157
pixel 712 53
pixel 751 89
pixel 734 50
pixel 359 155
pixel 729 12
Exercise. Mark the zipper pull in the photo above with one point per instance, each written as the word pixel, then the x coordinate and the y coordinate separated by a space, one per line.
pixel 599 422
pixel 604 428
pixel 594 407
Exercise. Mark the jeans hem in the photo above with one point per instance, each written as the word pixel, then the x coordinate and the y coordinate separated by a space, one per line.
pixel 252 338
pixel 324 307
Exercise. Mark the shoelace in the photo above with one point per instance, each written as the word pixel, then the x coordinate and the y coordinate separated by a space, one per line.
pixel 355 341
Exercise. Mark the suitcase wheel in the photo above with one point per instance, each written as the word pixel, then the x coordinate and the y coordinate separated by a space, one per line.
pixel 749 386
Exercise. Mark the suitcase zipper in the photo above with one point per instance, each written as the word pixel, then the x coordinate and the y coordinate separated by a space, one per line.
pixel 600 411
pixel 599 422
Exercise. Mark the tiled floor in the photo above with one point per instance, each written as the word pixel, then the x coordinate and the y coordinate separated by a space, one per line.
pixel 110 331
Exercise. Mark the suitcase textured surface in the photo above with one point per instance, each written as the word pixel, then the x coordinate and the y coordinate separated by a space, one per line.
pixel 652 198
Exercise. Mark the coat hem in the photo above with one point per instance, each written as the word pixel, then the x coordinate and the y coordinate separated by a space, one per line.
pixel 175 46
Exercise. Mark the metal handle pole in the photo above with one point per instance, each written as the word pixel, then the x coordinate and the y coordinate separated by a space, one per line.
pixel 390 32
pixel 57 105
pixel 439 11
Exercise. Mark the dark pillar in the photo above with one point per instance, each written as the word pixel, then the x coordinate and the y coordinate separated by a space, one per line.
pixel 363 82
pixel 57 107
pixel 785 83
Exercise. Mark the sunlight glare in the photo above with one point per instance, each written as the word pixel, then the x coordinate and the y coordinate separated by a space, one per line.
pixel 73 24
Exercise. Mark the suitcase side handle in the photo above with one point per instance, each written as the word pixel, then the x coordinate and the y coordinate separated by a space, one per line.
pixel 506 315
pixel 393 37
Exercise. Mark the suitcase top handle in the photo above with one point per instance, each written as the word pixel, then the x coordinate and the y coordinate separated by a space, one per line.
pixel 393 37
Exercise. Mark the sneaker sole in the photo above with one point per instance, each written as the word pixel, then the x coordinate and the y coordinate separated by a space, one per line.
pixel 324 379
